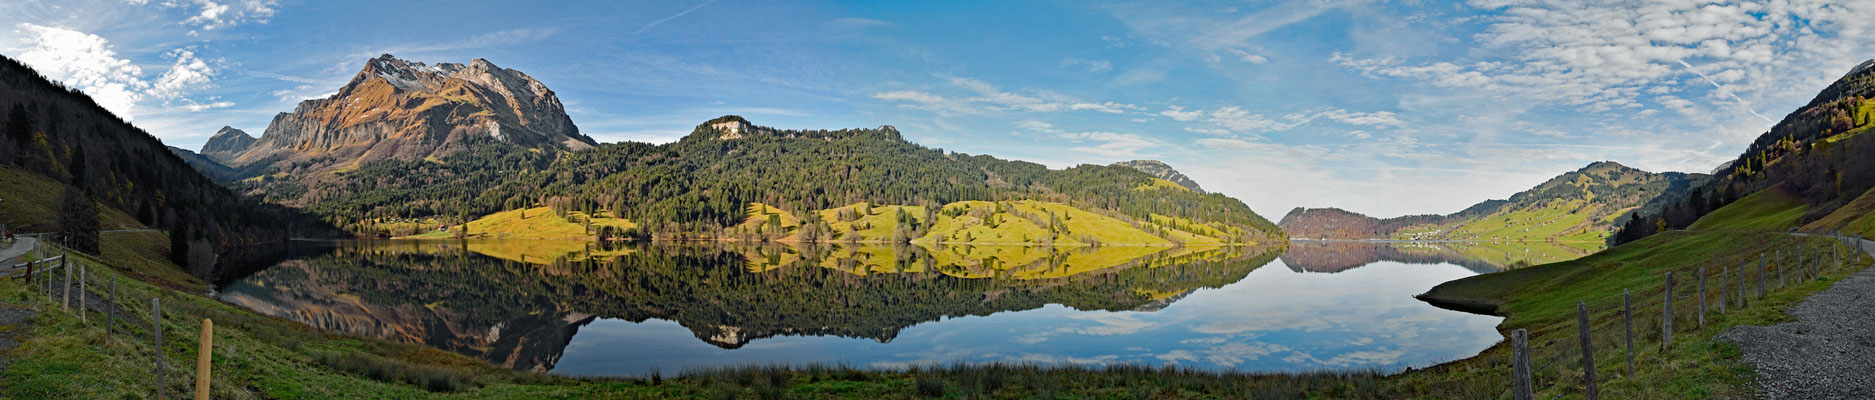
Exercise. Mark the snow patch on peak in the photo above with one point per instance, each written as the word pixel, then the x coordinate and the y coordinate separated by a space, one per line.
pixel 1866 65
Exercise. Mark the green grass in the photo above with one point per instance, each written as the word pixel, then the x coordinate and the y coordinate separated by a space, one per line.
pixel 28 204
pixel 1851 218
pixel 1515 253
pixel 142 255
pixel 540 223
pixel 1771 209
pixel 1157 184
pixel 1543 300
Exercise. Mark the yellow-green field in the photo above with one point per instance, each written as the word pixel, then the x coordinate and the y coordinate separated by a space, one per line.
pixel 535 223
pixel 1771 209
pixel 984 222
pixel 1852 218
pixel 28 204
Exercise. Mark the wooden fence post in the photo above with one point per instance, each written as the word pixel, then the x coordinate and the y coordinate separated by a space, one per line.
pixel 1780 267
pixel 1725 275
pixel 1588 349
pixel 65 300
pixel 110 313
pixel 1742 267
pixel 1761 275
pixel 156 326
pixel 1702 297
pixel 202 359
pixel 1520 365
pixel 1666 323
pixel 1627 315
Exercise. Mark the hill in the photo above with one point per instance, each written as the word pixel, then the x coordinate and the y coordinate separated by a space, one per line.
pixel 1161 170
pixel 732 179
pixel 1335 223
pixel 1817 154
pixel 66 140
pixel 1579 206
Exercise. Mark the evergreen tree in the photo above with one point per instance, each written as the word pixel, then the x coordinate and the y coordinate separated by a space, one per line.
pixel 78 221
pixel 179 245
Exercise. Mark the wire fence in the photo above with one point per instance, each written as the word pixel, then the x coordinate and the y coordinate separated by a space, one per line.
pixel 1626 331
pixel 141 324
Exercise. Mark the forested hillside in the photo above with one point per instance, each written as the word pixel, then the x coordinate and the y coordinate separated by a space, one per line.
pixel 64 136
pixel 1820 153
pixel 706 182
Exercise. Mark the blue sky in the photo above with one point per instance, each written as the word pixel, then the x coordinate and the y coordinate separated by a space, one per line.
pixel 1383 107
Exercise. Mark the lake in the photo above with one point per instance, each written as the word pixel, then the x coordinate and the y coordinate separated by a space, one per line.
pixel 627 309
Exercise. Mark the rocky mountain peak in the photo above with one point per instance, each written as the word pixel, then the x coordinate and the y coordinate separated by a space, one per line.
pixel 735 127
pixel 1161 170
pixel 399 109
pixel 226 144
pixel 1864 67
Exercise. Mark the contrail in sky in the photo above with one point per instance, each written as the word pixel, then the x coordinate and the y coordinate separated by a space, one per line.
pixel 1741 100
pixel 667 19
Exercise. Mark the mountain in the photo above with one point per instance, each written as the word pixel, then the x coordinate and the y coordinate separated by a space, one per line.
pixel 1580 205
pixel 206 165
pixel 402 110
pixel 1161 170
pixel 57 138
pixel 227 144
pixel 732 178
pixel 1335 223
pixel 1817 156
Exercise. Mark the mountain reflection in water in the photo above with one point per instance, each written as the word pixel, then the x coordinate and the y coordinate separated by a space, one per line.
pixel 521 304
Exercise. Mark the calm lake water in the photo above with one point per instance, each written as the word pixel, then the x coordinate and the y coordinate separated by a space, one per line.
pixel 572 308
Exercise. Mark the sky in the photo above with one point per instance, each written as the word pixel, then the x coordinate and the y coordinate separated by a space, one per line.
pixel 1382 107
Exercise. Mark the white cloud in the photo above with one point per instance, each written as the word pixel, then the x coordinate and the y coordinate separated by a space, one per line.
pixel 212 15
pixel 1176 356
pixel 1380 118
pixel 911 96
pixel 1115 145
pixel 1037 126
pixel 1177 113
pixel 1249 57
pixel 1607 56
pixel 1091 66
pixel 1237 119
pixel 209 106
pixel 187 74
pixel 86 62
pixel 1113 42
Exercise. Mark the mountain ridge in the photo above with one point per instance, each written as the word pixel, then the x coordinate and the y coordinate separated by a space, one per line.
pixel 226 144
pixel 1161 170
pixel 1579 205
pixel 707 183
pixel 398 109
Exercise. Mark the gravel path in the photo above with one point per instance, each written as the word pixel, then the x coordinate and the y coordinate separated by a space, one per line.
pixel 1828 353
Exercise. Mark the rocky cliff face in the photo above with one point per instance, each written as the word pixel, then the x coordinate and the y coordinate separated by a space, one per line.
pixel 397 109
pixel 227 144
pixel 1164 171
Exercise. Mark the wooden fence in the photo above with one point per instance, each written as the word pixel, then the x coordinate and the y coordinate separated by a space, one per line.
pixel 1539 364
pixel 77 288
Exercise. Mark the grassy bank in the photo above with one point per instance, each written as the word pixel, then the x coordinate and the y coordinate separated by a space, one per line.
pixel 1543 300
